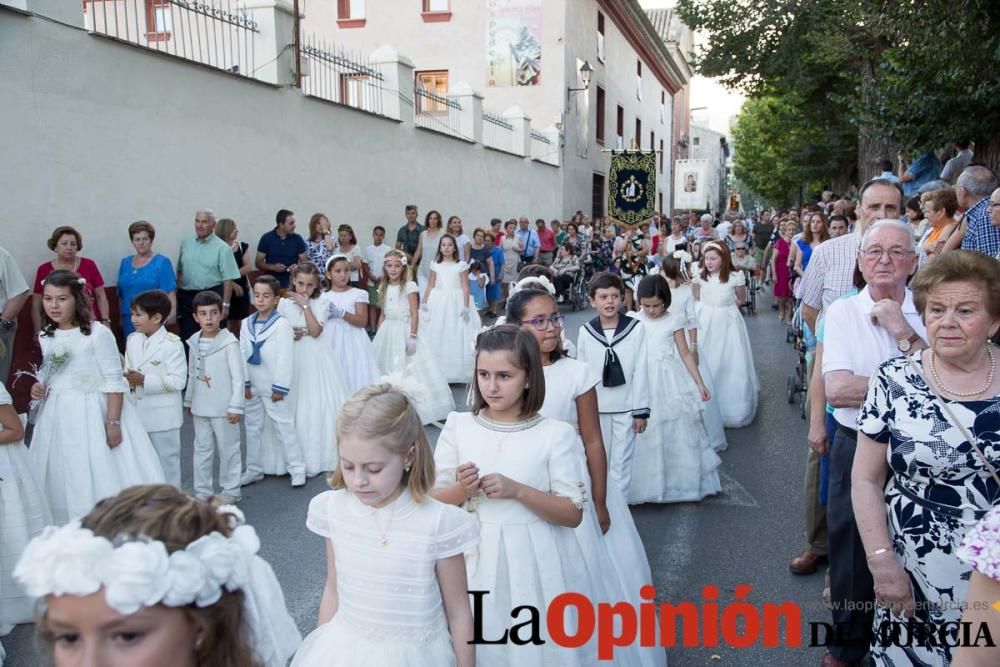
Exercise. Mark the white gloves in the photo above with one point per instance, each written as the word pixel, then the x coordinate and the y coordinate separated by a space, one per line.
pixel 465 314
pixel 335 311
pixel 411 346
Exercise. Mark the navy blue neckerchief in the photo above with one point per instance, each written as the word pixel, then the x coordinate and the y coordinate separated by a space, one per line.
pixel 613 375
pixel 254 358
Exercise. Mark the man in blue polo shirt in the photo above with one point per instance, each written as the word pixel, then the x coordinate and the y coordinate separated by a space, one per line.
pixel 280 249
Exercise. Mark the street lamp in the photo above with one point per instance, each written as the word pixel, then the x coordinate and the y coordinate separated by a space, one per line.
pixel 585 73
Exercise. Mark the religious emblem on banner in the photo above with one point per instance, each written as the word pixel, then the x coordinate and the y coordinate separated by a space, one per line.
pixel 632 186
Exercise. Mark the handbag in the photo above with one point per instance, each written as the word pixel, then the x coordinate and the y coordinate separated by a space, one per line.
pixel 950 416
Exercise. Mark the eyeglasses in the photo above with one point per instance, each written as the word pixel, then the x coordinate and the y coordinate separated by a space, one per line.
pixel 542 323
pixel 895 254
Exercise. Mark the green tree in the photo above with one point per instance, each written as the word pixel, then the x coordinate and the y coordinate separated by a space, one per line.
pixel 778 149
pixel 914 73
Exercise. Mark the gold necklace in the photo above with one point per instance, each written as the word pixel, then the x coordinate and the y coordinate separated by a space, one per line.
pixel 966 394
pixel 383 540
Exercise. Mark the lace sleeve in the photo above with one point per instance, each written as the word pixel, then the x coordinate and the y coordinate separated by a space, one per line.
pixel 458 532
pixel 108 360
pixel 446 454
pixel 564 471
pixel 318 517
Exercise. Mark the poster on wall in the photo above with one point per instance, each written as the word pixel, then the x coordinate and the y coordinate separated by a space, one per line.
pixel 514 42
pixel 690 184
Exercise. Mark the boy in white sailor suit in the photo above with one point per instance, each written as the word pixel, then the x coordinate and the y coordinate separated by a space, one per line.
pixel 214 397
pixel 156 370
pixel 615 345
pixel 266 340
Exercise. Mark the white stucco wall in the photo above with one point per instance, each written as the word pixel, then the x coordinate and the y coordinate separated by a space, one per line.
pixel 457 45
pixel 617 76
pixel 99 134
pixel 569 36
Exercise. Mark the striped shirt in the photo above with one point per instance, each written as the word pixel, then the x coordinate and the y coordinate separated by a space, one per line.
pixel 830 274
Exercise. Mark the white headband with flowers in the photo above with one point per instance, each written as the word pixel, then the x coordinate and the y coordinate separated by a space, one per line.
pixel 532 281
pixel 137 573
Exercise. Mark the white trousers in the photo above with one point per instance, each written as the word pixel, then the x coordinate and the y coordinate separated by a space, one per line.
pixel 619 443
pixel 211 435
pixel 279 413
pixel 168 447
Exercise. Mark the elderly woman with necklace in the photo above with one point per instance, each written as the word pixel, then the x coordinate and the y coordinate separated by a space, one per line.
pixel 930 424
pixel 66 242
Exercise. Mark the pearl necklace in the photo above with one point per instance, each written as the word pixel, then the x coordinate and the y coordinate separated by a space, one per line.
pixel 989 378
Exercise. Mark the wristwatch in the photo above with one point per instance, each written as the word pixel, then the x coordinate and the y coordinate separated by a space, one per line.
pixel 906 344
pixel 6 325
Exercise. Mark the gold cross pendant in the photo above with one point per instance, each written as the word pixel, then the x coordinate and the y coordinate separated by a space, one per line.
pixel 383 542
pixel 207 379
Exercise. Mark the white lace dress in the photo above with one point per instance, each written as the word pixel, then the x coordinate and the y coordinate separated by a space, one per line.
pixel 522 559
pixel 451 339
pixel 389 609
pixel 317 392
pixel 23 515
pixel 615 563
pixel 418 374
pixel 682 303
pixel 350 344
pixel 69 447
pixel 673 460
pixel 724 342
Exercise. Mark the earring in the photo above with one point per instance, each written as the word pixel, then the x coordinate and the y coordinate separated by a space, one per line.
pixel 407 467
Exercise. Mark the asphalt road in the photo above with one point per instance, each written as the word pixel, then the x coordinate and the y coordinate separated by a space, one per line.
pixel 744 537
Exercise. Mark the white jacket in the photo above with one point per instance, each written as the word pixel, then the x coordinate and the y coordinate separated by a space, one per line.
pixel 274 372
pixel 215 378
pixel 160 358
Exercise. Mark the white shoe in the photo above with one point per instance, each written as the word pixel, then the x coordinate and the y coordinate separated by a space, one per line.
pixel 249 478
pixel 229 500
pixel 299 480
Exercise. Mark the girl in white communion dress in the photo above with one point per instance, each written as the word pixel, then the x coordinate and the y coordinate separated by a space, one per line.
pixel 396 587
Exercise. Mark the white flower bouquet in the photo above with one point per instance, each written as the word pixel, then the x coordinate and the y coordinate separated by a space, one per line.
pixel 54 362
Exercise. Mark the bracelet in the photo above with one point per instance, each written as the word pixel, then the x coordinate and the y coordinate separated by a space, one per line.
pixel 877 552
pixel 413 335
pixel 225 304
pixel 112 422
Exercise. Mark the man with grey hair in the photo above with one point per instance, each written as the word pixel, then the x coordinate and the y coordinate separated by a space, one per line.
pixel 973 189
pixel 830 276
pixel 205 262
pixel 862 331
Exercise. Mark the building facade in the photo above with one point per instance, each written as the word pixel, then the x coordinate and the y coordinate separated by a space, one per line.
pixel 528 55
pixel 713 147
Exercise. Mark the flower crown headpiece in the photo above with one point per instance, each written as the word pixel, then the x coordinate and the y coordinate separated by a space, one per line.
pixel 137 573
pixel 531 281
pixel 80 281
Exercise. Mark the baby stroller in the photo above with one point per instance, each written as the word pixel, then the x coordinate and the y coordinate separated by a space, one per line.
pixel 797 381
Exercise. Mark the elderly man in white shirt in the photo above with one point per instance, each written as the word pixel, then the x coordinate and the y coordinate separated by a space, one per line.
pixel 862 331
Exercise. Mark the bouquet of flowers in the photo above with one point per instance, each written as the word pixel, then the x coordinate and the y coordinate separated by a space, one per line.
pixel 52 364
